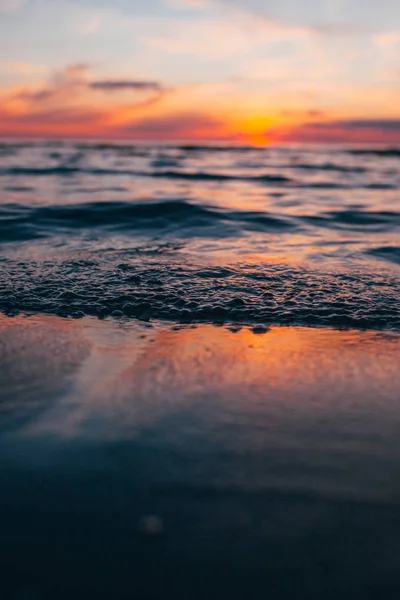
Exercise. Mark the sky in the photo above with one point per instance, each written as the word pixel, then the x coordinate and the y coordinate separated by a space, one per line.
pixel 241 71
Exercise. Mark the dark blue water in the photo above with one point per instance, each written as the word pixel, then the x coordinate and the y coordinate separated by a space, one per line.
pixel 294 235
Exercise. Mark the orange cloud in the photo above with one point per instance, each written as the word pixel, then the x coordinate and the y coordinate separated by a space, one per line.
pixel 72 103
pixel 177 125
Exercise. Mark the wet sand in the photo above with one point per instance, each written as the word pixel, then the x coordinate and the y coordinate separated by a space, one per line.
pixel 144 461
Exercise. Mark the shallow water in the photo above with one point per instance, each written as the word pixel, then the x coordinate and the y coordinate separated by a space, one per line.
pixel 294 235
pixel 154 462
pixel 180 432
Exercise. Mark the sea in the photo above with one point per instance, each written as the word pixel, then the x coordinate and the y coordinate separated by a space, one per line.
pixel 199 371
pixel 295 235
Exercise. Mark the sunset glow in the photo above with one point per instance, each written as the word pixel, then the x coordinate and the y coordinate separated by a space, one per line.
pixel 242 71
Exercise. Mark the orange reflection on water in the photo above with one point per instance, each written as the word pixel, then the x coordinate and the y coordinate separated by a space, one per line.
pixel 299 370
pixel 290 409
pixel 123 376
pixel 218 354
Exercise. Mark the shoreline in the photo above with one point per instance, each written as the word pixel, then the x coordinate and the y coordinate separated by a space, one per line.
pixel 99 381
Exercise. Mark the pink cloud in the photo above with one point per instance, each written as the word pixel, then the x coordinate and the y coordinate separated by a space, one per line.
pixel 344 131
pixel 184 125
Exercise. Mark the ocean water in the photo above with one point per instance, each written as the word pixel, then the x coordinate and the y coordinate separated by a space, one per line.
pixel 239 235
pixel 199 372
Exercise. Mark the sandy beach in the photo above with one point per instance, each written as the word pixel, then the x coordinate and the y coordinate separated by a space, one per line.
pixel 137 458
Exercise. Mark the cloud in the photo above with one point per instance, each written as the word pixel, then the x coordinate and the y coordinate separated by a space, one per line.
pixel 337 28
pixel 388 43
pixel 79 122
pixel 62 116
pixel 110 85
pixel 77 70
pixel 311 113
pixel 153 91
pixel 226 39
pixel 344 131
pixel 196 4
pixel 61 86
pixel 11 6
pixel 22 68
pixel 92 25
pixel 357 124
pixel 266 14
pixel 388 39
pixel 75 82
pixel 71 100
pixel 263 47
pixel 179 125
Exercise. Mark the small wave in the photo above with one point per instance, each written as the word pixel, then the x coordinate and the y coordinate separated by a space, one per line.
pixel 19 222
pixel 164 162
pixel 326 167
pixel 18 188
pixel 205 176
pixel 379 152
pixel 380 186
pixel 67 170
pixel 6 150
pixel 39 171
pixel 384 220
pixel 167 174
pixel 180 217
pixel 274 179
pixel 147 288
pixel 113 146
